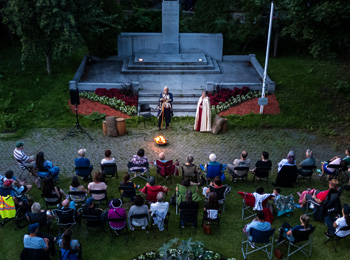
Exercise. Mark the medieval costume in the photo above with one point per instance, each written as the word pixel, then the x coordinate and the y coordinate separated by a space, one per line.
pixel 165 109
pixel 203 115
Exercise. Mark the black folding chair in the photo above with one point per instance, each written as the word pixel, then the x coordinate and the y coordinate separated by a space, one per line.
pixel 93 221
pixel 135 228
pixel 166 223
pixel 81 194
pixel 145 112
pixel 336 238
pixel 65 219
pixel 262 173
pixel 287 176
pixel 84 172
pixel 210 221
pixel 118 220
pixel 109 169
pixel 262 240
pixel 221 193
pixel 98 192
pixel 331 206
pixel 34 254
pixel 127 192
pixel 242 169
pixel 306 172
pixel 188 216
pixel 51 201
pixel 339 173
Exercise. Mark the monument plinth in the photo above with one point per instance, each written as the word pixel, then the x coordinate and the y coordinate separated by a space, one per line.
pixel 170 27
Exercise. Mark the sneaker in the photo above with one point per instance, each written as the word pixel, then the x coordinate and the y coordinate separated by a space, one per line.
pixel 327 235
pixel 132 229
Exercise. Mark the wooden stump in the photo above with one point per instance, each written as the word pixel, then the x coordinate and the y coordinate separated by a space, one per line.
pixel 111 126
pixel 121 127
pixel 224 126
pixel 104 127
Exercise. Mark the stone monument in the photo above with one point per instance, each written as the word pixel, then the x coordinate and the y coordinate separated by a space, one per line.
pixel 170 27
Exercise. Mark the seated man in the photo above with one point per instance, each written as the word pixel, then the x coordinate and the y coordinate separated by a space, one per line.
pixel 23 160
pixel 159 211
pixel 242 162
pixel 89 209
pixel 161 158
pixel 319 196
pixel 32 241
pixel 258 223
pixel 191 170
pixel 309 161
pixel 151 190
pixel 37 215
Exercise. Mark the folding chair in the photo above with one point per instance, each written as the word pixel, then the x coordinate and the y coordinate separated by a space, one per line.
pixel 211 171
pixel 100 192
pixel 65 219
pixel 139 172
pixel 118 220
pixel 221 192
pixel 166 170
pixel 337 238
pixel 211 220
pixel 109 169
pixel 180 194
pixel 51 201
pixel 25 168
pixel 135 228
pixel 302 239
pixel 151 193
pixel 166 224
pixel 309 171
pixel 35 254
pixel 188 216
pixel 287 176
pixel 93 221
pixel 83 172
pixel 249 203
pixel 261 241
pixel 339 172
pixel 81 194
pixel 242 169
pixel 127 192
pixel 262 173
pixel 145 112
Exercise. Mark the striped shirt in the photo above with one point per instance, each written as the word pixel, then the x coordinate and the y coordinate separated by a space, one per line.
pixel 22 157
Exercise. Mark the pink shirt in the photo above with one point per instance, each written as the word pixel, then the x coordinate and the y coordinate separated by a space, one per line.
pixel 97 186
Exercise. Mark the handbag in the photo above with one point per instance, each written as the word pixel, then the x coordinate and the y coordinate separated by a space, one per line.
pixel 278 254
pixel 206 229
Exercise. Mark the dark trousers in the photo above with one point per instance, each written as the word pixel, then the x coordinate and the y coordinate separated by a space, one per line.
pixel 51 242
pixel 282 231
pixel 167 117
pixel 329 223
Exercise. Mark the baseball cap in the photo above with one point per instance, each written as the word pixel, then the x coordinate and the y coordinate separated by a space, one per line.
pixel 33 227
pixel 19 144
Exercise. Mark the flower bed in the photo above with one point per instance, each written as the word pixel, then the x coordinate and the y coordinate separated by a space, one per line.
pixel 227 98
pixel 113 98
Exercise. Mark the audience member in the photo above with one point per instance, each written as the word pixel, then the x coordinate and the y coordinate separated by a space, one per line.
pixel 151 190
pixel 127 183
pixel 258 223
pixel 263 163
pixel 139 159
pixel 286 231
pixel 116 211
pixel 335 224
pixel 97 184
pixel 23 160
pixel 211 204
pixel 20 187
pixel 335 161
pixel 216 184
pixel 289 161
pixel 45 167
pixel 309 161
pixel 191 170
pixel 188 204
pixel 260 196
pixel 90 209
pixel 68 245
pixel 108 158
pixel 319 196
pixel 159 211
pixel 242 162
pixel 32 241
pixel 161 158
pixel 75 186
pixel 138 208
pixel 50 191
pixel 81 161
pixel 37 215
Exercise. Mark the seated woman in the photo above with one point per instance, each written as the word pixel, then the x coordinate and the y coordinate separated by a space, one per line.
pixel 191 170
pixel 68 245
pixel 37 215
pixel 127 183
pixel 335 161
pixel 286 231
pixel 289 161
pixel 139 159
pixel 216 184
pixel 45 167
pixel 188 204
pixel 116 211
pixel 97 184
pixel 108 158
pixel 335 224
pixel 81 161
pixel 138 208
pixel 263 163
pixel 211 204
pixel 50 192
pixel 75 186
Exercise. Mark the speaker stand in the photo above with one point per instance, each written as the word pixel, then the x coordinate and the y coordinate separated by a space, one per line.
pixel 78 127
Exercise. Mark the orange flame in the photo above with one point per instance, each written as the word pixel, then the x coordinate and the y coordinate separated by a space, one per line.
pixel 160 139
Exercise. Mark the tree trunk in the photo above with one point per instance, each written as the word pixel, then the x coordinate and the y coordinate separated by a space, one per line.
pixel 48 62
pixel 275 44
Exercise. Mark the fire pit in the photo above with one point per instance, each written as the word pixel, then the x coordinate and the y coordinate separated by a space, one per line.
pixel 160 140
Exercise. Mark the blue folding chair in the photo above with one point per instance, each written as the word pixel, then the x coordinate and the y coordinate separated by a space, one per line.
pixel 214 170
pixel 260 241
pixel 84 171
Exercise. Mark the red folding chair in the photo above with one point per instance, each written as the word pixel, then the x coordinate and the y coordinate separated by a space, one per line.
pixel 166 170
pixel 249 203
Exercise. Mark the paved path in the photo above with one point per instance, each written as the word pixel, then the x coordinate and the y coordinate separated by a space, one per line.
pixel 182 141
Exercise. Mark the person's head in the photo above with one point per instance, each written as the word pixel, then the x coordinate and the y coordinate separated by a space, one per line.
pixel 108 153
pixel 138 201
pixel 291 157
pixel 204 94
pixel 160 196
pixel 217 181
pixel 260 215
pixel 75 182
pixel 117 203
pixel 67 237
pixel 305 221
pixel 265 155
pixel 90 202
pixel 152 181
pixel 36 207
pixel 48 186
pixel 8 184
pixel 189 158
pixel 9 174
pixel 141 152
pixel 308 153
pixel 65 203
pixel 188 197
pixel 165 90
pixel 33 228
pixel 19 145
pixel 213 201
pixel 333 184
pixel 162 156
pixel 82 152
pixel 212 157
pixel 346 213
pixel 347 152
pixel 186 182
pixel 98 177
pixel 244 155
pixel 39 160
pixel 277 191
pixel 126 178
pixel 260 190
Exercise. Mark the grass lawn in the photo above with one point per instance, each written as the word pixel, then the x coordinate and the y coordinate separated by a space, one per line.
pixel 227 241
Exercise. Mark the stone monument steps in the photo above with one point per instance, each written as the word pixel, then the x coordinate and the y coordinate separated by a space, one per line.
pixel 182 100
pixel 196 94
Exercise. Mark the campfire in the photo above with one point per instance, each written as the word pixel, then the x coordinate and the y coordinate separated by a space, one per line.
pixel 160 140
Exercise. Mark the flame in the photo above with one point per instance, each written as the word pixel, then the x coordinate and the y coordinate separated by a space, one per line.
pixel 160 139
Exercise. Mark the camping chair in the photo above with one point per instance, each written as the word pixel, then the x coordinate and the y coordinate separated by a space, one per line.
pixel 262 173
pixel 67 253
pixel 213 216
pixel 166 170
pixel 249 203
pixel 65 219
pixel 287 176
pixel 100 192
pixel 151 194
pixel 81 194
pixel 242 169
pixel 330 206
pixel 93 221
pixel 188 216
pixel 109 169
pixel 83 172
pixel 34 254
pixel 339 173
pixel 180 194
pixel 262 240
pixel 309 171
pixel 302 242
pixel 139 172
pixel 145 112
pixel 118 220
pixel 135 228
pixel 337 238
pixel 51 201
pixel 166 224
pixel 127 192
pixel 221 192
pixel 25 168
pixel 211 171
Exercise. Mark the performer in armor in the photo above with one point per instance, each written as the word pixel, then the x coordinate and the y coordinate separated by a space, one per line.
pixel 165 108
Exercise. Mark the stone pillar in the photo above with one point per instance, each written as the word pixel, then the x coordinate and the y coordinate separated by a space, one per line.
pixel 170 27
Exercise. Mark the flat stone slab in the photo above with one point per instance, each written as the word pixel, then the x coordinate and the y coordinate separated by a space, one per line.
pixel 170 59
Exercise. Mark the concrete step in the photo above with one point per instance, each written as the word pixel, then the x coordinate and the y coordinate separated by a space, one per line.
pixel 145 93
pixel 178 100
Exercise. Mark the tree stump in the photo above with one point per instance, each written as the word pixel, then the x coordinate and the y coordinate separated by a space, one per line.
pixel 121 127
pixel 224 126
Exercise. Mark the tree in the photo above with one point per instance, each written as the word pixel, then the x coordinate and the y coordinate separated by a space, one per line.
pixel 52 27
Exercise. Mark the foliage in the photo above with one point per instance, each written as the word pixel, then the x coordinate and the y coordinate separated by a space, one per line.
pixel 96 116
pixel 128 90
pixel 143 20
pixel 128 95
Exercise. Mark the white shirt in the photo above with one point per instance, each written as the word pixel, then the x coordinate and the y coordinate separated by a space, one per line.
pixel 341 223
pixel 160 206
pixel 104 161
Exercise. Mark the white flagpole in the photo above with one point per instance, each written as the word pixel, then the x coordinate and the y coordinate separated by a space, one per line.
pixel 267 57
